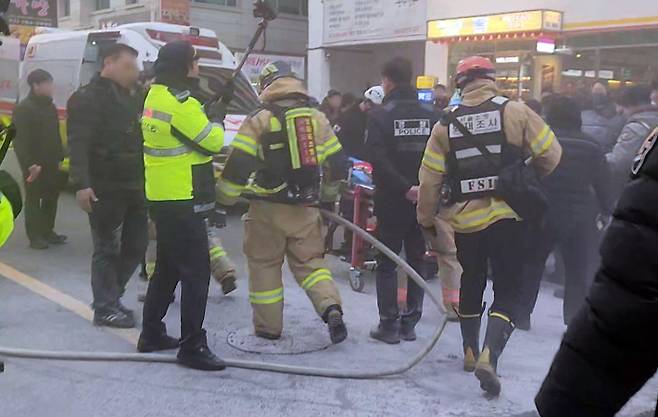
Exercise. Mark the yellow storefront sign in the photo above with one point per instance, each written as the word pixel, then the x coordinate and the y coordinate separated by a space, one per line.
pixel 528 21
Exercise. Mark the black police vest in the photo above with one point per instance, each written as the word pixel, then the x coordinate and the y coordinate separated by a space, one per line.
pixel 292 174
pixel 407 125
pixel 474 174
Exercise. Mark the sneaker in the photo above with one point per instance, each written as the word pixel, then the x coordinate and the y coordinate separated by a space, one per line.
pixel 157 343
pixel 39 244
pixel 116 319
pixel 337 328
pixel 125 310
pixel 55 239
pixel 200 357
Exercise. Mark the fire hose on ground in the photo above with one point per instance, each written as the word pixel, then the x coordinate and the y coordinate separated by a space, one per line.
pixel 265 366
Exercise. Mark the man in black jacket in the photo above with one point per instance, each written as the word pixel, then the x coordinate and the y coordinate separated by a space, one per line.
pixel 351 125
pixel 609 351
pixel 578 190
pixel 397 136
pixel 108 172
pixel 39 150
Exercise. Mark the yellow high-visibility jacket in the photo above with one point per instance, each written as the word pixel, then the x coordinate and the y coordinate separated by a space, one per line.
pixel 179 142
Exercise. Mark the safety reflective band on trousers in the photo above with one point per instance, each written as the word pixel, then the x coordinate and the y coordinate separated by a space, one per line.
pixel 266 297
pixel 317 276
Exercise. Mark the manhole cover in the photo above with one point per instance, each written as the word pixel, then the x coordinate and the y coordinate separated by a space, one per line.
pixel 296 340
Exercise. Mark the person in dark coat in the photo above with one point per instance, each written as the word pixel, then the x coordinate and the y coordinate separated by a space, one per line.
pixel 39 151
pixel 398 131
pixel 107 168
pixel 578 191
pixel 609 351
pixel 351 125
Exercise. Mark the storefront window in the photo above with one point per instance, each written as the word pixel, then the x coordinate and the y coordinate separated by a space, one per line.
pixel 616 58
pixel 513 61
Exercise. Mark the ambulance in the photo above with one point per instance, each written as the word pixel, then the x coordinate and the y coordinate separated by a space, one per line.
pixel 73 57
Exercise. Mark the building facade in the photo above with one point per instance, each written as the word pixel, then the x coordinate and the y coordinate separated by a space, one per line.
pixel 232 20
pixel 537 45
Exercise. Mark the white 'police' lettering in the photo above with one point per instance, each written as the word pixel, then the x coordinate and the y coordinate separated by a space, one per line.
pixel 412 127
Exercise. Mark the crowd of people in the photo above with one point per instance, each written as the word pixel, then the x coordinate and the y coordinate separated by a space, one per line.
pixel 492 186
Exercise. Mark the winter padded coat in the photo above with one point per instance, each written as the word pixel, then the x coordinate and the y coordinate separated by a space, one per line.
pixel 609 351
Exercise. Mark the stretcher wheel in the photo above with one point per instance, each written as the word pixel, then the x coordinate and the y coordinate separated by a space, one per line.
pixel 357 280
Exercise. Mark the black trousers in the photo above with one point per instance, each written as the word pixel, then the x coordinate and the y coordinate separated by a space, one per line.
pixel 576 239
pixel 182 255
pixel 40 212
pixel 398 230
pixel 119 232
pixel 499 246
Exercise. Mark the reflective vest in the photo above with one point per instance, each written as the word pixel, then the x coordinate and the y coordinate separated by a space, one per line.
pixel 179 142
pixel 474 175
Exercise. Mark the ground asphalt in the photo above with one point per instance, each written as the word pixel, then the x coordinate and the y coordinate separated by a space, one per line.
pixel 45 305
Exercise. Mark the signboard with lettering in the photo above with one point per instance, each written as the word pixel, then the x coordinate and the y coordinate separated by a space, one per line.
pixel 373 21
pixel 256 62
pixel 113 21
pixel 175 11
pixel 529 21
pixel 33 13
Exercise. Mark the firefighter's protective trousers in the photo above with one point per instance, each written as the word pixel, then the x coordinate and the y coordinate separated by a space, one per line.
pixel 274 232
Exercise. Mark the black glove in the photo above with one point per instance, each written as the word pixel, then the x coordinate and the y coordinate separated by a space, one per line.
pixel 216 112
pixel 228 93
pixel 217 217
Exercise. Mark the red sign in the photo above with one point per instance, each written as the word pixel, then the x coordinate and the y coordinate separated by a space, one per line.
pixel 175 11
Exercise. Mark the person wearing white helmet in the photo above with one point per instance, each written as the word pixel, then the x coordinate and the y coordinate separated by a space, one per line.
pixel 350 127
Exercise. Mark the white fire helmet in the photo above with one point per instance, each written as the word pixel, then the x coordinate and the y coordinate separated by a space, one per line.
pixel 375 94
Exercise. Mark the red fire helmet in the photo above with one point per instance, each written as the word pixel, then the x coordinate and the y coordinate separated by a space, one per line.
pixel 472 68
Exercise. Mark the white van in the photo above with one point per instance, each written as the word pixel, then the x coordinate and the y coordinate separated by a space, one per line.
pixel 72 57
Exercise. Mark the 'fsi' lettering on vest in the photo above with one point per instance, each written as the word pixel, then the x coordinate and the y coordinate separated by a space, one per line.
pixel 476 185
pixel 412 127
pixel 478 124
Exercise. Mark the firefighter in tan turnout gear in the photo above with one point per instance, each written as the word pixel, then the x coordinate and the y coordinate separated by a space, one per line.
pixel 470 147
pixel 285 157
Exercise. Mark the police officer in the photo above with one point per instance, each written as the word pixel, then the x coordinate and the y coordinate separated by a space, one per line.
pixel 397 134
pixel 179 142
pixel 487 230
pixel 293 151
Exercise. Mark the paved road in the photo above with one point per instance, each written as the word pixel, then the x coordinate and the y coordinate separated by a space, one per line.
pixel 437 387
